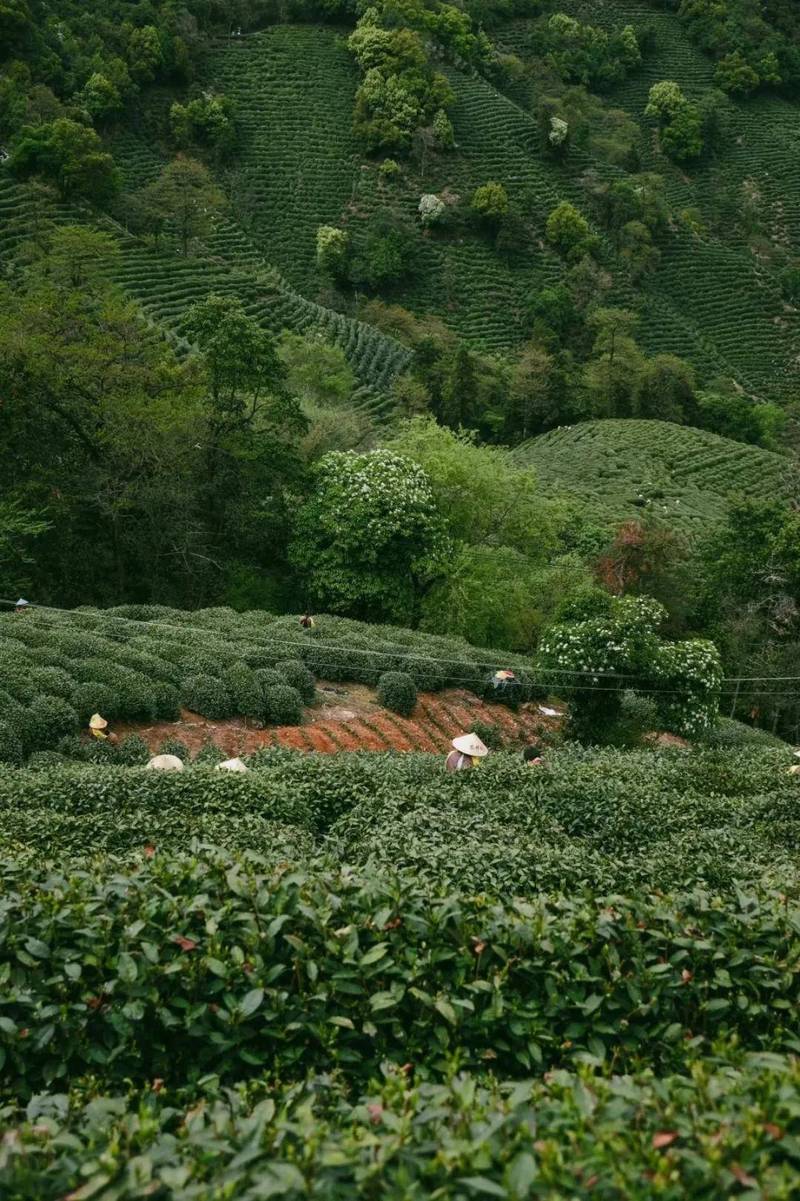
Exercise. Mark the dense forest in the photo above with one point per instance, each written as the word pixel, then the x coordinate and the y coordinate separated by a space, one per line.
pixel 296 300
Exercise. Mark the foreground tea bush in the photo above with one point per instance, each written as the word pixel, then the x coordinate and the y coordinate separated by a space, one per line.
pixel 188 964
pixel 708 1134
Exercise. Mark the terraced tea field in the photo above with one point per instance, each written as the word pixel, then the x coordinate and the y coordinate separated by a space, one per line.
pixel 686 477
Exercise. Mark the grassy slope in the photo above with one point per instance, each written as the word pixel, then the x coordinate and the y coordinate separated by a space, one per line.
pixel 684 476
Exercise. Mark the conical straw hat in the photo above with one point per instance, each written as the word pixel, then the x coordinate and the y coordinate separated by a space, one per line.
pixel 231 765
pixel 470 744
pixel 166 763
pixel 96 722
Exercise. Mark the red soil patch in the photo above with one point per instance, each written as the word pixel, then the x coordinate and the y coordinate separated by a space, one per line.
pixel 348 718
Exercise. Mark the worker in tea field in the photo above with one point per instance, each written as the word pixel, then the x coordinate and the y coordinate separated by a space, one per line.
pixel 307 621
pixel 794 770
pixel 532 756
pixel 22 606
pixel 468 750
pixel 98 728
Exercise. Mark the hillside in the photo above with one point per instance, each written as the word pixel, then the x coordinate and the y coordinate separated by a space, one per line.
pixel 684 477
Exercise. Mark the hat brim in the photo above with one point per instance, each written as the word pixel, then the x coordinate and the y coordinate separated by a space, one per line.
pixel 470 744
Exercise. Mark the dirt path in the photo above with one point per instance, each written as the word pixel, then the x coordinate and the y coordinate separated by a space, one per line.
pixel 348 718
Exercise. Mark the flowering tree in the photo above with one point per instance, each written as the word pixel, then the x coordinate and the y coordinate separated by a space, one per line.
pixel 594 661
pixel 369 541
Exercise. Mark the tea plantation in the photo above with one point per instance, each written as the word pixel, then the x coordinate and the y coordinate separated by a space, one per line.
pixel 684 477
pixel 390 981
pixel 146 663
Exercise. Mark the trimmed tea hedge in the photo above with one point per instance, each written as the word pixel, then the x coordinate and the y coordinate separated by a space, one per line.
pixel 396 691
pixel 580 1135
pixel 188 965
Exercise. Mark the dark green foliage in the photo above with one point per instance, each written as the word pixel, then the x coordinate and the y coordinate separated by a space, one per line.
pixel 132 751
pixel 295 673
pixel 490 735
pixel 592 1134
pixel 206 695
pixel 10 744
pixel 244 690
pixel 174 746
pixel 455 976
pixel 209 755
pixel 48 718
pixel 283 705
pixel 396 691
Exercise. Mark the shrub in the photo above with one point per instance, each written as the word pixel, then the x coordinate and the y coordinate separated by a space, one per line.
pixel 10 744
pixel 43 760
pixel 489 734
pixel 397 692
pixel 131 750
pixel 174 746
pixel 244 691
pixel 284 705
pixel 49 718
pixel 268 677
pixel 207 696
pixel 490 202
pixel 209 755
pixel 296 674
pixel 94 698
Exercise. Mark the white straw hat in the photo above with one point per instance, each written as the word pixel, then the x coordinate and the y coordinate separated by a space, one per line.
pixel 231 765
pixel 796 754
pixel 22 603
pixel 470 744
pixel 166 763
pixel 96 722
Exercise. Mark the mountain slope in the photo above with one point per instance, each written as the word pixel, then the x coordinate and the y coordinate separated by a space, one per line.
pixel 685 477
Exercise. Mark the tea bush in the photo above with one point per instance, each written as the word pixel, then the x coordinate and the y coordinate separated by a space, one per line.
pixel 396 691
pixel 189 964
pixel 283 705
pixel 295 673
pixel 577 1134
pixel 206 695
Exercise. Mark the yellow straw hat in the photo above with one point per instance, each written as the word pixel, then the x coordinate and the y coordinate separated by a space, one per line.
pixel 97 722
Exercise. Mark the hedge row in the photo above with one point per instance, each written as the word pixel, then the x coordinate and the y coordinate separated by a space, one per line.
pixel 605 820
pixel 188 965
pixel 719 1131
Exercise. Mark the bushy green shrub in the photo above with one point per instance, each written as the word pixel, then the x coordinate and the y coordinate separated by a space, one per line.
pixel 49 718
pixel 441 976
pixel 207 696
pixel 244 690
pixel 44 760
pixel 131 750
pixel 268 677
pixel 599 1134
pixel 396 691
pixel 174 746
pixel 283 705
pixel 10 744
pixel 490 735
pixel 88 699
pixel 209 755
pixel 296 675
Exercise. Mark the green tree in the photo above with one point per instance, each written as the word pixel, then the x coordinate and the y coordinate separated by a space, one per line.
pixel 667 389
pixel 682 138
pixel 69 154
pixel 735 76
pixel 186 198
pixel 333 251
pixel 317 371
pixel 612 377
pixel 369 540
pixel 100 97
pixel 490 202
pixel 568 230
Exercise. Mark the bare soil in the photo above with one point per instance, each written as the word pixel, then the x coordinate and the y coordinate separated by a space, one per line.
pixel 347 717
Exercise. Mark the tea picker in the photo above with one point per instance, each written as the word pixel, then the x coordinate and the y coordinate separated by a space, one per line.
pixel 468 750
